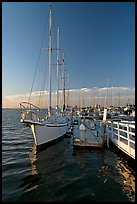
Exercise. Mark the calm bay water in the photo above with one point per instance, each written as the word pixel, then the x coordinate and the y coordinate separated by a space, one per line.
pixel 59 173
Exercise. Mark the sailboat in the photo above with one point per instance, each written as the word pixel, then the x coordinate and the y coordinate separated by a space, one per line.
pixel 56 124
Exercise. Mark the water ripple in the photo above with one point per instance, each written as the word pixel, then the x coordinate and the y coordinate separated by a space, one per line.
pixel 59 173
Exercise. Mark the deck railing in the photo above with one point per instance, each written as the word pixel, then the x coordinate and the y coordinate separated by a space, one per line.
pixel 122 134
pixel 29 111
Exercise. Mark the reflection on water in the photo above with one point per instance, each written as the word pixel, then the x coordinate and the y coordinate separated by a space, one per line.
pixel 60 169
pixel 33 158
pixel 128 176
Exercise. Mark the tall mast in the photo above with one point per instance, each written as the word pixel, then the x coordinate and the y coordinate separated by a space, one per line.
pixel 63 81
pixel 57 85
pixel 100 97
pixel 119 99
pixel 68 91
pixel 50 28
pixel 105 105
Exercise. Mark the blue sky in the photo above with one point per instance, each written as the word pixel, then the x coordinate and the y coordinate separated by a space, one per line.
pixel 98 39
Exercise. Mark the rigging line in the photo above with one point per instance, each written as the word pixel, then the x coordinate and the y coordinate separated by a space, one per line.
pixel 44 81
pixel 43 84
pixel 53 64
pixel 42 87
pixel 37 63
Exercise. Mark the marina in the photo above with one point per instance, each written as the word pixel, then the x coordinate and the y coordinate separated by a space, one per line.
pixel 117 126
pixel 68 107
pixel 119 130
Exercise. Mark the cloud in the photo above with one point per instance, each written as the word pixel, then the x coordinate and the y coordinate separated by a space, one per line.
pixel 115 94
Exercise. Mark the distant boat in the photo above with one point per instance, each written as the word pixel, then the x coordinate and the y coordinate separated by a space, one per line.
pixel 57 123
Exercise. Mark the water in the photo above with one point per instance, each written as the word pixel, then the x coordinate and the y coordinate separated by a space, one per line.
pixel 59 173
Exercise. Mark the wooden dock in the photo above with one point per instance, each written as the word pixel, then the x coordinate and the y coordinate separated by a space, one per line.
pixel 88 137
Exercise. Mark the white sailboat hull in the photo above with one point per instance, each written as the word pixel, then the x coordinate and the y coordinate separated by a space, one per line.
pixel 45 134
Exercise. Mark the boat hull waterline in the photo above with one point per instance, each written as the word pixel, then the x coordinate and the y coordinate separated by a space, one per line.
pixel 46 133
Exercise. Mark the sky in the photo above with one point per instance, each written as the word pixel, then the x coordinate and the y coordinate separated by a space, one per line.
pixel 97 38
